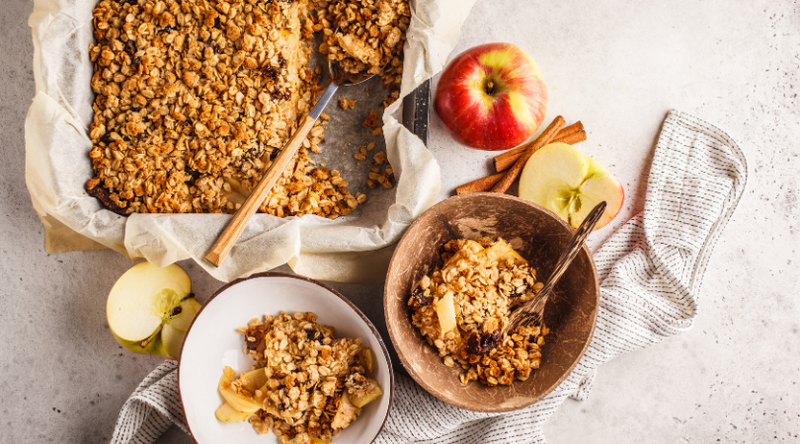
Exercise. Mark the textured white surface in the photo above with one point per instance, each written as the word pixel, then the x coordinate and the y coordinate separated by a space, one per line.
pixel 616 67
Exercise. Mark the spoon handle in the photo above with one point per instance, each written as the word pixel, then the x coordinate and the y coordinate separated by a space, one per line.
pixel 236 225
pixel 574 246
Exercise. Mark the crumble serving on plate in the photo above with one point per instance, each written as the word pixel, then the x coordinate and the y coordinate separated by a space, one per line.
pixel 307 385
pixel 195 97
pixel 462 309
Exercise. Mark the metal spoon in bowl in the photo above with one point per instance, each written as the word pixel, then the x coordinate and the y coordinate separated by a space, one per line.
pixel 236 225
pixel 532 312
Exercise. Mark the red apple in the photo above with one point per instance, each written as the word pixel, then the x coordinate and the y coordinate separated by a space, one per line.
pixel 492 97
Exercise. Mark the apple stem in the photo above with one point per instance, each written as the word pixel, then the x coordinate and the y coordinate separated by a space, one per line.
pixel 490 88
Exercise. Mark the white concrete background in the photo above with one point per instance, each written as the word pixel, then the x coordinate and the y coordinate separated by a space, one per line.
pixel 618 67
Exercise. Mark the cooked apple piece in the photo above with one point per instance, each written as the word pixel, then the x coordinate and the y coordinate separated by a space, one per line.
pixel 254 379
pixel 228 414
pixel 261 394
pixel 311 440
pixel 366 393
pixel 502 251
pixel 367 359
pixel 237 401
pixel 345 413
pixel 569 183
pixel 446 312
pixel 149 309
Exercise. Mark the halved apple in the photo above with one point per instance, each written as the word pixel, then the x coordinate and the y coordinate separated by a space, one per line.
pixel 569 183
pixel 149 309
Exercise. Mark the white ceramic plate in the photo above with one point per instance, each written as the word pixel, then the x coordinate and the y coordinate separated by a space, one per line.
pixel 212 343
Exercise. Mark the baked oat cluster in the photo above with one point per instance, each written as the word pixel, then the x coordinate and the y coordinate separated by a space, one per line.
pixel 194 98
pixel 312 384
pixel 462 309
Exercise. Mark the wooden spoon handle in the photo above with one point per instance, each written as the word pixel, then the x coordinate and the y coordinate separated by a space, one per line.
pixel 235 227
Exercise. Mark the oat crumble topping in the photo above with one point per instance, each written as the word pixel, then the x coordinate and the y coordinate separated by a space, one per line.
pixel 367 35
pixel 346 104
pixel 484 280
pixel 311 379
pixel 195 97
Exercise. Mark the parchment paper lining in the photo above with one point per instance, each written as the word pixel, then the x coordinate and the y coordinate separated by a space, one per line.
pixel 57 167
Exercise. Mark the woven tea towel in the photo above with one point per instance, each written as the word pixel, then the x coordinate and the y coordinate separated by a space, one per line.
pixel 650 272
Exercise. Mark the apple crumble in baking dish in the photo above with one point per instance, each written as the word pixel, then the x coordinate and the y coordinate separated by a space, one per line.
pixel 193 99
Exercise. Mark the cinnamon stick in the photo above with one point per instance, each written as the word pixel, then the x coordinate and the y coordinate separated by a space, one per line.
pixel 571 138
pixel 486 183
pixel 504 163
pixel 482 184
pixel 512 173
pixel 508 158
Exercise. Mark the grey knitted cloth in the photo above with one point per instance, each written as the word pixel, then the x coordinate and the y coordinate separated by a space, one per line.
pixel 650 273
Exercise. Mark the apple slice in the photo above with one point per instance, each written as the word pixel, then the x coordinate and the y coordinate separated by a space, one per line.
pixel 254 379
pixel 502 251
pixel 569 183
pixel 345 413
pixel 366 358
pixel 238 402
pixel 446 312
pixel 228 414
pixel 367 392
pixel 149 309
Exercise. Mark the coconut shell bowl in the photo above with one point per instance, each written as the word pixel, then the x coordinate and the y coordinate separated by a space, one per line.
pixel 539 236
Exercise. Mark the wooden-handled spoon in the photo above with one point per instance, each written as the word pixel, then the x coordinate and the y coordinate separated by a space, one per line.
pixel 235 227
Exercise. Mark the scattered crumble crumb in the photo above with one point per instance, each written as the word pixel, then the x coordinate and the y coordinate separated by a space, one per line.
pixel 373 120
